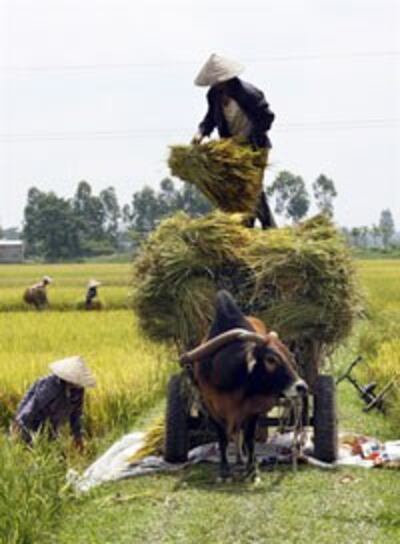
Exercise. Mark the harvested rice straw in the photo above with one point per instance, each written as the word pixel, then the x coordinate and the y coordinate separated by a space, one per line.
pixel 227 172
pixel 153 441
pixel 300 280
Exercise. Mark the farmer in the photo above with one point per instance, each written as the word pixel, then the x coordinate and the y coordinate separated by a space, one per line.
pixel 91 293
pixel 236 108
pixel 37 293
pixel 55 399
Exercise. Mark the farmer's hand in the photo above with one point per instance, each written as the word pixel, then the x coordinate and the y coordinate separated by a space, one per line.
pixel 197 138
pixel 79 444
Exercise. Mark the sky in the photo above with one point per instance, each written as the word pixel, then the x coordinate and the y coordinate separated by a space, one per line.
pixel 98 90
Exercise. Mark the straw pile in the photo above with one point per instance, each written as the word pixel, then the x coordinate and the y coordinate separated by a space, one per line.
pixel 299 280
pixel 228 173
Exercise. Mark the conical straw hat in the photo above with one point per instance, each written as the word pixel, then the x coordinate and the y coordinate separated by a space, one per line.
pixel 73 370
pixel 216 70
pixel 93 283
pixel 47 279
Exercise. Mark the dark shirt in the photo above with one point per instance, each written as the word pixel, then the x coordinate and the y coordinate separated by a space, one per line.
pixel 51 400
pixel 91 294
pixel 251 101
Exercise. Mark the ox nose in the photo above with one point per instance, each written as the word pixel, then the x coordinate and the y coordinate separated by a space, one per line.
pixel 301 387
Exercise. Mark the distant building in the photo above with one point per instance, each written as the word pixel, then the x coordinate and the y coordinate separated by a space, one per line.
pixel 11 251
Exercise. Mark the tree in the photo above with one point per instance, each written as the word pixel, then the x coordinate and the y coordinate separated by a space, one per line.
pixel 89 209
pixel 50 227
pixel 91 215
pixel 324 192
pixel 168 197
pixel 12 233
pixel 386 225
pixel 31 230
pixel 191 201
pixel 291 196
pixel 109 200
pixel 376 235
pixel 146 210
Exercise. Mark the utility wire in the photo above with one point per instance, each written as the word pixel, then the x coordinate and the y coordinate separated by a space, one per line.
pixel 168 63
pixel 118 134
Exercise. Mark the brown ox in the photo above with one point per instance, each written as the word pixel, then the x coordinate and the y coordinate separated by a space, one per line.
pixel 241 372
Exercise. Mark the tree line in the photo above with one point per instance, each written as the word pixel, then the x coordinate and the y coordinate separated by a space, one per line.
pixel 57 229
pixel 381 236
pixel 89 224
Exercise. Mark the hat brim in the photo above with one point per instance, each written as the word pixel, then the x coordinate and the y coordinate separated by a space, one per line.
pixel 217 70
pixel 73 370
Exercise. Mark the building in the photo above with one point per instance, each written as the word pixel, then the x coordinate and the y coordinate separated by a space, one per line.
pixel 11 251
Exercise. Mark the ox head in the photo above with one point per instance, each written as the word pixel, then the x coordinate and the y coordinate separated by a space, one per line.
pixel 273 366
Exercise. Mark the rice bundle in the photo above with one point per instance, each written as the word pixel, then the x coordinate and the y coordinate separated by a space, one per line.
pixel 228 173
pixel 300 280
pixel 153 443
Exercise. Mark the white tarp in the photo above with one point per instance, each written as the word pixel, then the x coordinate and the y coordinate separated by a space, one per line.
pixel 115 463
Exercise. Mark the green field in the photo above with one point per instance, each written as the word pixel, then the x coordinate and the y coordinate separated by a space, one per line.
pixel 131 373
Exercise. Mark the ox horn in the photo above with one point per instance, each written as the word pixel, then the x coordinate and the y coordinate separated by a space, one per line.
pixel 214 344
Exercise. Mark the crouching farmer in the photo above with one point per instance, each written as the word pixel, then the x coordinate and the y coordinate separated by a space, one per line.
pixel 36 295
pixel 54 400
pixel 91 295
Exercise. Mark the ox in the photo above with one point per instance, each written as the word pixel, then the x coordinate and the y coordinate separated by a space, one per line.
pixel 241 372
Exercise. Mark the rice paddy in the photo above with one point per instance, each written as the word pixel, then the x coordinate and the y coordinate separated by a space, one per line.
pixel 69 284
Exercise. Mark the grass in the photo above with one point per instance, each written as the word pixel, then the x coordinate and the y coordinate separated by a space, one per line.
pixel 30 492
pixel 353 506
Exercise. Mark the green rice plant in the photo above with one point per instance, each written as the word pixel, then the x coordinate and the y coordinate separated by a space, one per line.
pixel 31 498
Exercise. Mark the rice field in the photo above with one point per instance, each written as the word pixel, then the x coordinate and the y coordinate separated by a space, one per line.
pixel 131 371
pixel 69 284
pixel 378 338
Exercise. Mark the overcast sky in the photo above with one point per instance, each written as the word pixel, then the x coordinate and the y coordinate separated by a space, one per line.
pixel 98 89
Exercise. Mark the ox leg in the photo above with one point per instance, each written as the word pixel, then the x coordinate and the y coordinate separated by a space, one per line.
pixel 249 440
pixel 239 448
pixel 224 468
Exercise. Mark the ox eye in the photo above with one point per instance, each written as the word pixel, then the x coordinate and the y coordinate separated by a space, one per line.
pixel 270 363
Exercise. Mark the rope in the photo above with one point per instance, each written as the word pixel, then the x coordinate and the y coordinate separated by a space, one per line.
pixel 292 420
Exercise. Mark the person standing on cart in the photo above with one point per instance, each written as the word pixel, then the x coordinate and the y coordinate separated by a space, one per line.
pixel 236 109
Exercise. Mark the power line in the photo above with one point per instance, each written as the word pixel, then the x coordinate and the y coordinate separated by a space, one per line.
pixel 117 134
pixel 167 63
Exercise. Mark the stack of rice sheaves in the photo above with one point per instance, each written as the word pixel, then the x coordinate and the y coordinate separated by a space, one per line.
pixel 300 280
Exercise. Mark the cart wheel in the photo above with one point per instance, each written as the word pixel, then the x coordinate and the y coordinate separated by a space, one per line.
pixel 325 420
pixel 176 439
